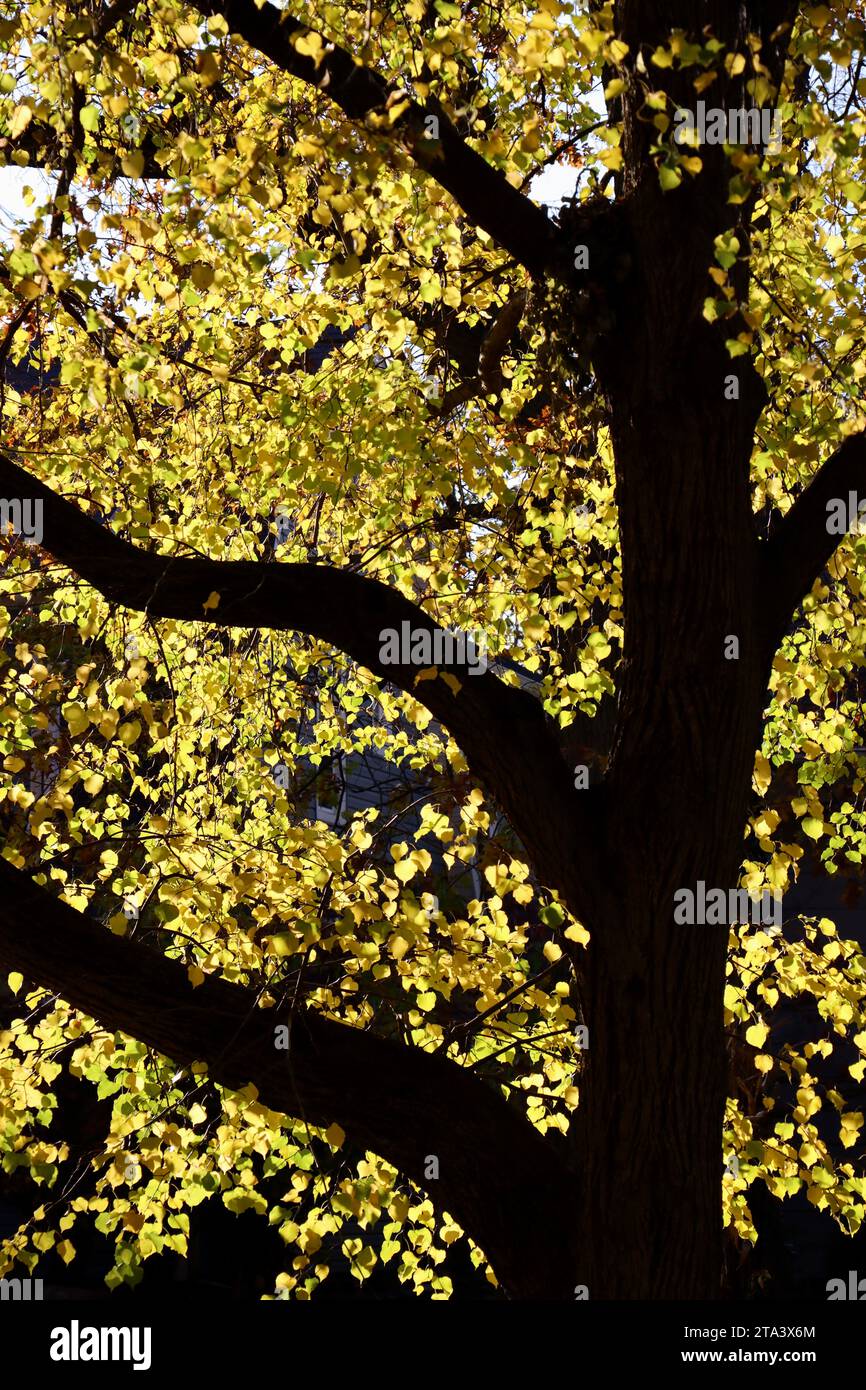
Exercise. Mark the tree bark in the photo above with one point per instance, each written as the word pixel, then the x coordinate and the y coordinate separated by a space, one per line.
pixel 682 418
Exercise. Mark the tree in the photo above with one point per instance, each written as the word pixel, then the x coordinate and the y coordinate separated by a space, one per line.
pixel 609 440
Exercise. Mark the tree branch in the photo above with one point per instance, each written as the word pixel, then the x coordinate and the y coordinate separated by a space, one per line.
pixel 483 193
pixel 503 731
pixel 495 344
pixel 497 1176
pixel 801 544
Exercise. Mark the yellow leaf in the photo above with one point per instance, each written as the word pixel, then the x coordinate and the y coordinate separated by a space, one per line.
pixel 398 946
pixel 766 824
pixel 21 118
pixel 202 275
pixel 132 164
pixel 108 723
pixel 761 774
pixel 850 1126
pixel 15 981
pixel 335 1136
pixel 208 68
pixel 303 148
pixel 66 1251
pixel 212 601
pixel 757 1034
pixel 427 1000
pixel 310 45
pixel 76 717
pixel 195 975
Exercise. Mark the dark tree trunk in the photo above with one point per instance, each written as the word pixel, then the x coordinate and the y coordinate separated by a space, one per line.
pixel 649 1124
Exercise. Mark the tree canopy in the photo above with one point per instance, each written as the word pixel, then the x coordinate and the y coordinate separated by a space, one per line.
pixel 306 359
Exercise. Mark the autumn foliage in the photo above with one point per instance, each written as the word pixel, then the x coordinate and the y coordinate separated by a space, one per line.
pixel 246 302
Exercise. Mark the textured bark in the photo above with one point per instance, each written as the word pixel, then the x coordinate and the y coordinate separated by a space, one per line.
pixel 676 793
pixel 653 1091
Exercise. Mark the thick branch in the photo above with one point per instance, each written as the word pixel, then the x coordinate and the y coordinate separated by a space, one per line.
pixel 498 1177
pixel 502 730
pixel 483 193
pixel 802 545
pixel 495 344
